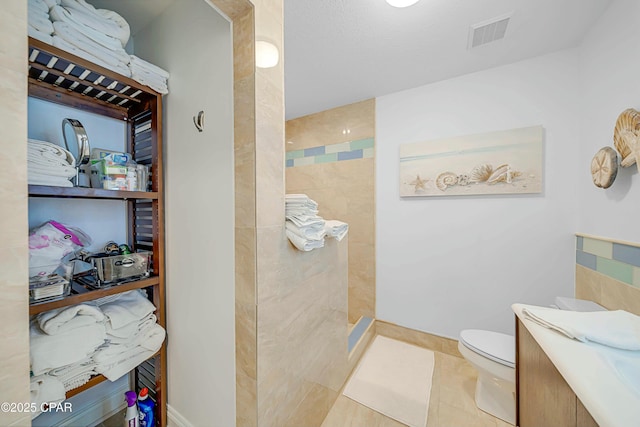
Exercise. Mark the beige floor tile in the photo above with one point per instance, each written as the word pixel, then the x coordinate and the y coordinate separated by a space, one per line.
pixel 452 402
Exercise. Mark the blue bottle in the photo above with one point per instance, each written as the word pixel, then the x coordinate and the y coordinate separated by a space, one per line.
pixel 145 405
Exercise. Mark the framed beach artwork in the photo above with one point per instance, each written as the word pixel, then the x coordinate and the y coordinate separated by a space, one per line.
pixel 505 162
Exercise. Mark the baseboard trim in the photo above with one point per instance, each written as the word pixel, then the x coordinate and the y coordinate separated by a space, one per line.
pixel 419 338
pixel 175 419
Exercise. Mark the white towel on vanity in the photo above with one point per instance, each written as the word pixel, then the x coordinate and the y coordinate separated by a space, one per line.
pixel 619 328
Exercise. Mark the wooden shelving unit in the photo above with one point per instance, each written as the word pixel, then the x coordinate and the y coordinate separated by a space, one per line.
pixel 60 77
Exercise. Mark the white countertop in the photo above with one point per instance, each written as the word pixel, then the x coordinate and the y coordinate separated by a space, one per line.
pixel 589 371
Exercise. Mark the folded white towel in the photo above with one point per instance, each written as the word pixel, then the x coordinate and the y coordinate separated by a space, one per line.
pixel 306 220
pixel 111 350
pixel 619 328
pixel 336 229
pixel 38 6
pixel 140 64
pixel 59 13
pixel 129 307
pixel 40 21
pixel 76 374
pixel 160 87
pixel 39 35
pixel 128 332
pixel 308 233
pixel 303 244
pixel 45 389
pixel 116 365
pixel 65 172
pixel 48 152
pixel 60 43
pixel 114 57
pixel 69 318
pixel 52 181
pixel 53 351
pixel 104 21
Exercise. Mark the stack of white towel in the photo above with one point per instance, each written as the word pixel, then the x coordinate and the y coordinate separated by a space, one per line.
pixel 61 338
pixel 97 35
pixel 336 229
pixel 149 74
pixel 40 26
pixel 304 228
pixel 132 334
pixel 109 336
pixel 49 164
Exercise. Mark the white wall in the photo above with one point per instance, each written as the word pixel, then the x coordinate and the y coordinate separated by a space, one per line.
pixel 450 263
pixel 193 42
pixel 610 67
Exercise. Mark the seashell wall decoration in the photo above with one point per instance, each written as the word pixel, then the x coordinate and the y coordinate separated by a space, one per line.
pixel 626 137
pixel 604 167
pixel 505 162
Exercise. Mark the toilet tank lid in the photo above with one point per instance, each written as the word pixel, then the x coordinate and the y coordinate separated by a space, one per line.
pixel 494 345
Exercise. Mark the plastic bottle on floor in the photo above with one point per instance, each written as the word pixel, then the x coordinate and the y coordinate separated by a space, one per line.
pixel 146 409
pixel 131 417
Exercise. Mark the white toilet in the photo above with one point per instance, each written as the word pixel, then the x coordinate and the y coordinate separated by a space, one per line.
pixel 493 354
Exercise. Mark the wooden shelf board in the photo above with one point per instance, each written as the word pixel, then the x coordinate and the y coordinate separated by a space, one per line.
pixel 91 295
pixel 92 382
pixel 88 193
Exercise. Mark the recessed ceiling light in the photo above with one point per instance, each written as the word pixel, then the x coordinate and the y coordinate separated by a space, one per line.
pixel 289 142
pixel 402 3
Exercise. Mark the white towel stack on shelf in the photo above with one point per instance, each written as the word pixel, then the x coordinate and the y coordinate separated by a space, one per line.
pixel 149 74
pixel 97 35
pixel 109 336
pixel 132 334
pixel 49 164
pixel 40 26
pixel 336 229
pixel 304 228
pixel 79 333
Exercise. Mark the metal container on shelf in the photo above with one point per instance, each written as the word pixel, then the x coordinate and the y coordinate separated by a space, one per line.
pixel 112 269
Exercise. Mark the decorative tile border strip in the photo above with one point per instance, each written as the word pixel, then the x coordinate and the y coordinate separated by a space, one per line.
pixel 351 150
pixel 617 260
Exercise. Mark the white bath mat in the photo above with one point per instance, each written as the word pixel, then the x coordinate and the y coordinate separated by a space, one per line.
pixel 394 378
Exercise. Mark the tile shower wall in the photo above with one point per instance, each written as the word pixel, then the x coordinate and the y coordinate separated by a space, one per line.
pixel 608 272
pixel 330 157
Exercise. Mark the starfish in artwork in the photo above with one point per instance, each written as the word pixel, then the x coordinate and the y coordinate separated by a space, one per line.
pixel 419 183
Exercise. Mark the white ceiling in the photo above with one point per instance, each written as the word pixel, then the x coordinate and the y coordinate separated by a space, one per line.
pixel 342 51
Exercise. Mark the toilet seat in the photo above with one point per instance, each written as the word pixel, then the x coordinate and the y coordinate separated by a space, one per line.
pixel 493 345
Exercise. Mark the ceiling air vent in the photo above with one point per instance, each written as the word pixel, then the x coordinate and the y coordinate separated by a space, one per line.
pixel 488 31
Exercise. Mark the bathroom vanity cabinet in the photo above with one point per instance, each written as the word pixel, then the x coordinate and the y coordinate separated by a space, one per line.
pixel 59 77
pixel 543 397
